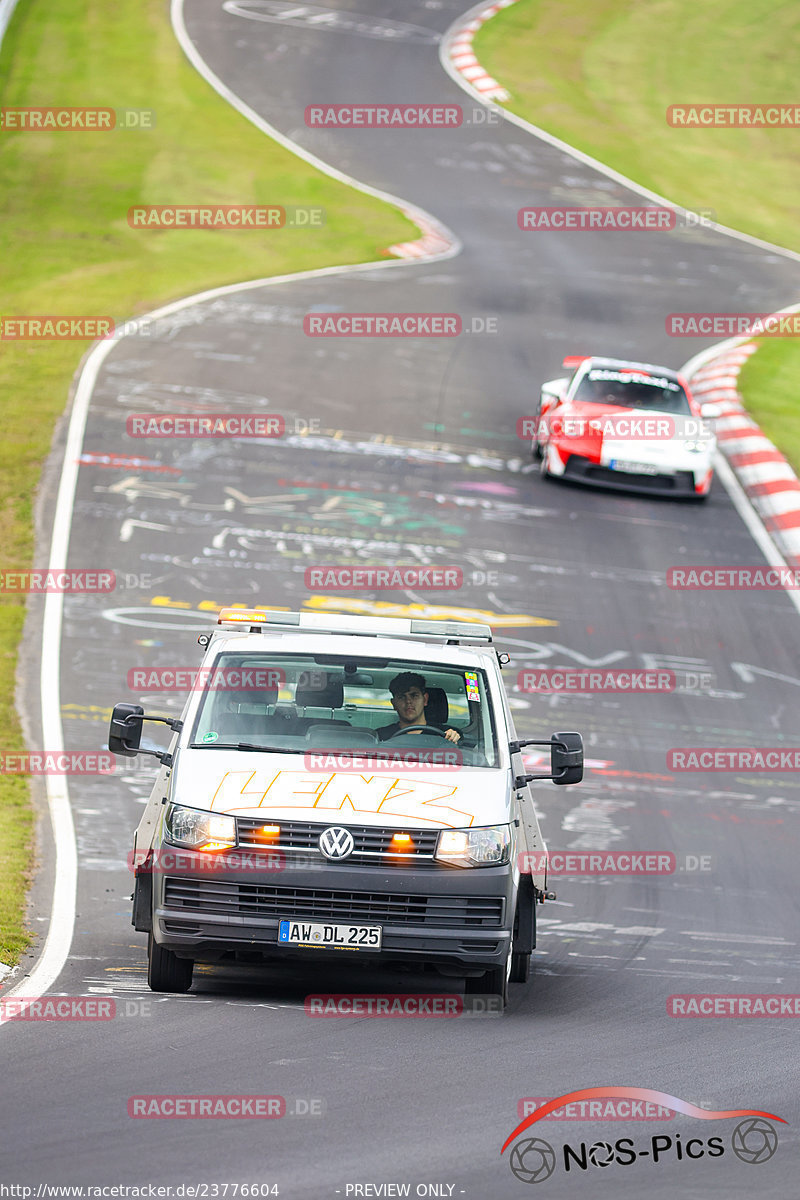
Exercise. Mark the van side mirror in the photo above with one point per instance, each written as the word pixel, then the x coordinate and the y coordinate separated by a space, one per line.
pixel 566 759
pixel 124 731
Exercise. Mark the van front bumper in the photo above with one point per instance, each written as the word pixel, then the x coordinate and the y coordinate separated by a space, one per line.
pixel 437 916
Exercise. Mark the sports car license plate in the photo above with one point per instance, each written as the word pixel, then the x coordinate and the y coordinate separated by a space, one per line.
pixel 633 468
pixel 339 937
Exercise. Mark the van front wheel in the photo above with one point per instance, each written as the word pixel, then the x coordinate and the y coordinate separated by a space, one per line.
pixel 494 982
pixel 165 971
pixel 520 967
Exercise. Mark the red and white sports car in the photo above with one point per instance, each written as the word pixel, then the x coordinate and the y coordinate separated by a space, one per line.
pixel 628 426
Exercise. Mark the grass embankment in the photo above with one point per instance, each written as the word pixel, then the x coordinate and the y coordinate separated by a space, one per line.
pixel 600 74
pixel 66 248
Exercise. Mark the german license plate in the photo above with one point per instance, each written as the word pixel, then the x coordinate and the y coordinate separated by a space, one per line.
pixel 337 937
pixel 633 468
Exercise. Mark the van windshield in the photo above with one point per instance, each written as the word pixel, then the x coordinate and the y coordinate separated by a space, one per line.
pixel 372 707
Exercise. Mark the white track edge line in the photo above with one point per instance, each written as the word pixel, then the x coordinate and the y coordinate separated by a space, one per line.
pixel 57 944
pixel 53 956
pixel 409 210
pixel 739 498
pixel 6 13
pixel 62 919
pixel 755 526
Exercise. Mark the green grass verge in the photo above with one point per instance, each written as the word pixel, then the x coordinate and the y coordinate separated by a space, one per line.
pixel 600 74
pixel 66 248
pixel 769 382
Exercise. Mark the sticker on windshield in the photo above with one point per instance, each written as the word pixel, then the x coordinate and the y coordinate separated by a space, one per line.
pixel 211 736
pixel 473 692
pixel 631 375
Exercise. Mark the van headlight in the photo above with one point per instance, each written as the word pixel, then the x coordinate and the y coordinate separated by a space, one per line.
pixel 199 830
pixel 488 847
pixel 696 446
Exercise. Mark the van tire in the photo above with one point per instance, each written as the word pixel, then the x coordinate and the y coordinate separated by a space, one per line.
pixel 524 934
pixel 520 967
pixel 493 982
pixel 490 983
pixel 165 971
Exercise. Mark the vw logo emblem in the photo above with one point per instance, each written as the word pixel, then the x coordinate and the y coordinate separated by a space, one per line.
pixel 336 842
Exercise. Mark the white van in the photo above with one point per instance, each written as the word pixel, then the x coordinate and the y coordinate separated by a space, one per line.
pixel 342 786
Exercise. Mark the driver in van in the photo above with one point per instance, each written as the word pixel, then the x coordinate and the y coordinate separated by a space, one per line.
pixel 409 697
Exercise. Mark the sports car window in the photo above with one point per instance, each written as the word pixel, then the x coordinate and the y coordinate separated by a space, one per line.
pixel 632 390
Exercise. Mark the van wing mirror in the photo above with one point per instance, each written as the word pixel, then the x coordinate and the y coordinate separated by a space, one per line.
pixel 125 730
pixel 566 759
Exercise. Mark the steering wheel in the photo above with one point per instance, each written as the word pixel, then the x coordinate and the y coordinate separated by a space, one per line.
pixel 426 728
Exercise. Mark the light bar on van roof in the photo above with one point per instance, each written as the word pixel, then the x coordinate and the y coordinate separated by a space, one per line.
pixel 451 629
pixel 574 360
pixel 255 618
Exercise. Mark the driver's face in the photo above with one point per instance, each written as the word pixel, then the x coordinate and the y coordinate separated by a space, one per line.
pixel 410 706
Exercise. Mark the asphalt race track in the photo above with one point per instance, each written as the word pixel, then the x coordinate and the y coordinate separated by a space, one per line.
pixel 403 450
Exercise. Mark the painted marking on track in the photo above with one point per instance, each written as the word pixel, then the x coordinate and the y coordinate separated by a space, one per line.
pixel 59 937
pixel 329 19
pixel 161 606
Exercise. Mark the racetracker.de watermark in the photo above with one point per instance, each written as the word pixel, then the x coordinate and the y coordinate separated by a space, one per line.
pixel 700 1004
pixel 597 862
pixel 730 324
pixel 57 1008
pixel 596 1110
pixel 444 757
pixel 617 680
pixel 384 116
pixel 81 120
pixel 733 758
pixel 733 116
pixel 65 581
pixel 207 216
pixel 608 217
pixel 394 325
pixel 56 762
pixel 406 1004
pixel 338 579
pixel 213 679
pixel 210 425
pixel 71 329
pixel 732 579
pixel 174 1107
pixel 55 328
pixel 165 861
pixel 615 427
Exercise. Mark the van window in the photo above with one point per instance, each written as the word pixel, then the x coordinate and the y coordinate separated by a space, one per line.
pixel 294 703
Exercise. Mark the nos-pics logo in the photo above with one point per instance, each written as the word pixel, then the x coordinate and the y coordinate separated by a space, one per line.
pixel 533 1159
